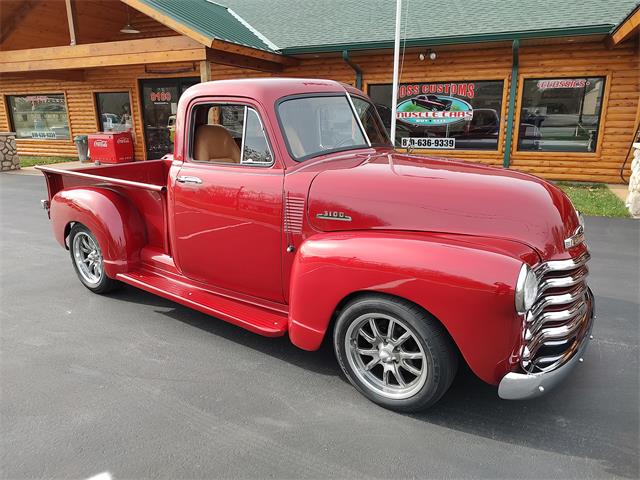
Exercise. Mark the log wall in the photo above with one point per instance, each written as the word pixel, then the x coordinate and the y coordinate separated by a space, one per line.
pixel 619 117
pixel 81 107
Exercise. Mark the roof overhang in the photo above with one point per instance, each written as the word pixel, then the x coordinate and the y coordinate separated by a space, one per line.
pixel 453 40
pixel 93 55
pixel 213 43
pixel 629 27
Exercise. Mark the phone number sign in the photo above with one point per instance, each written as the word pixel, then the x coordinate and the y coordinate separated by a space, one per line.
pixel 428 142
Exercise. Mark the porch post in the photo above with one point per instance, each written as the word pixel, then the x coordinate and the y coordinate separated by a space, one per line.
pixel 205 71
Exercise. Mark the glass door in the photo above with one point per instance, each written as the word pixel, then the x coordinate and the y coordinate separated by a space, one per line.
pixel 159 107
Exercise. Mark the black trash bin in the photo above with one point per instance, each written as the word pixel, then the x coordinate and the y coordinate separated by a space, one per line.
pixel 82 145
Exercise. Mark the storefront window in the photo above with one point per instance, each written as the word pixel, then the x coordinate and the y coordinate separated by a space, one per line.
pixel 561 114
pixel 114 111
pixel 444 115
pixel 41 117
pixel 159 108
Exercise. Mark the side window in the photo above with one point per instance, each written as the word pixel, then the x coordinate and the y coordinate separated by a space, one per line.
pixel 228 133
pixel 255 148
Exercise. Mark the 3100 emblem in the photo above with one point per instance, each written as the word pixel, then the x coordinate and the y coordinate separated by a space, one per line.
pixel 328 215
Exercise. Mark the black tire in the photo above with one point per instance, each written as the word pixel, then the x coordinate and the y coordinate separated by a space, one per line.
pixel 438 353
pixel 102 283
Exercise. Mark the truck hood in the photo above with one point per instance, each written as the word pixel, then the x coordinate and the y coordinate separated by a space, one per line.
pixel 394 191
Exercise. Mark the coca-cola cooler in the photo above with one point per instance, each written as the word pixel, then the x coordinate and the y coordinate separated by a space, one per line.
pixel 111 147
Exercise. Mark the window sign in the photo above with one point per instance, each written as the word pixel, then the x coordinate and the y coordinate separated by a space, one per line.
pixel 561 114
pixel 114 111
pixel 39 117
pixel 444 115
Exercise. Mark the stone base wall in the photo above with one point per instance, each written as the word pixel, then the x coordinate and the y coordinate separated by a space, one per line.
pixel 633 199
pixel 9 159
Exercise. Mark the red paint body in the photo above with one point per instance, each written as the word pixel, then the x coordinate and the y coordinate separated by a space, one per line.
pixel 447 235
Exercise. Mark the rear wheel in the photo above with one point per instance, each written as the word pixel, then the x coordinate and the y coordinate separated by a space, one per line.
pixel 87 260
pixel 394 352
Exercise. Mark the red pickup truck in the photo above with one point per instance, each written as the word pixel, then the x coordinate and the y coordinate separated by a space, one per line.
pixel 286 211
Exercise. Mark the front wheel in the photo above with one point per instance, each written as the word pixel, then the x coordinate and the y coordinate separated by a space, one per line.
pixel 395 353
pixel 87 260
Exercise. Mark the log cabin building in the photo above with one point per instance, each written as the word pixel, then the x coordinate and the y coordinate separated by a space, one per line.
pixel 548 87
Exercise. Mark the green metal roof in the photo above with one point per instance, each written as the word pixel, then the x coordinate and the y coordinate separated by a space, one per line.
pixel 211 20
pixel 298 26
pixel 301 26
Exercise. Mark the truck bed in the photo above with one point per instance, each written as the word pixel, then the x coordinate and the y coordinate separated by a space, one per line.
pixel 150 175
pixel 142 183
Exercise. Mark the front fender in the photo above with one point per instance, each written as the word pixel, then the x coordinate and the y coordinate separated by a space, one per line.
pixel 113 219
pixel 465 282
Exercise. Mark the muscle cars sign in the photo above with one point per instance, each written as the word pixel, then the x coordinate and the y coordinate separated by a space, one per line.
pixel 435 104
pixel 445 115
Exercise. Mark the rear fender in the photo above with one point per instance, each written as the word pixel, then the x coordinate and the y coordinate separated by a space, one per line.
pixel 113 219
pixel 467 285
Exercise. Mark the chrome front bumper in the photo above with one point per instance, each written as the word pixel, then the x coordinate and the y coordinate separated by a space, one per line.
pixel 522 386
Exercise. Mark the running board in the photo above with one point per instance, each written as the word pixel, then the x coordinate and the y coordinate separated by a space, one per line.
pixel 251 317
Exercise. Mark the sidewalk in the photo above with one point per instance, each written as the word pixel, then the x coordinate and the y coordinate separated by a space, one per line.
pixel 620 191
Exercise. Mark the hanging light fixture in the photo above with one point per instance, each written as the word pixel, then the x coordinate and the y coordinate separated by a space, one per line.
pixel 128 28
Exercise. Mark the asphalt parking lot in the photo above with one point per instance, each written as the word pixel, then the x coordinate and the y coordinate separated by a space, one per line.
pixel 140 387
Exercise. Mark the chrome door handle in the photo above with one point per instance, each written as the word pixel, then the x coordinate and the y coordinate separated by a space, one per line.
pixel 188 179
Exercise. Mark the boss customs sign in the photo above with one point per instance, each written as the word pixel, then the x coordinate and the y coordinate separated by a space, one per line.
pixel 426 105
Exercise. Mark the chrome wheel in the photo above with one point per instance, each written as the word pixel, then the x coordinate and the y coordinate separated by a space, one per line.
pixel 386 355
pixel 88 258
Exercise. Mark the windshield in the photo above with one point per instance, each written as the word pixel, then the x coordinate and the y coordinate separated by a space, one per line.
pixel 322 124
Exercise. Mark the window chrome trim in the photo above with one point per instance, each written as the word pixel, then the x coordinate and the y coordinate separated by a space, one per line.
pixel 264 134
pixel 355 113
pixel 189 141
pixel 244 134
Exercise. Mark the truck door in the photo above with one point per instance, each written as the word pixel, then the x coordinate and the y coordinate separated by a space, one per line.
pixel 228 202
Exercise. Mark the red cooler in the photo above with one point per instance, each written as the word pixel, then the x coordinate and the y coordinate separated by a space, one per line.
pixel 111 147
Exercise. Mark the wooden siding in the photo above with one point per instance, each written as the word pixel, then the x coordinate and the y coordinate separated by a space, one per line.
pixel 81 109
pixel 621 68
pixel 621 106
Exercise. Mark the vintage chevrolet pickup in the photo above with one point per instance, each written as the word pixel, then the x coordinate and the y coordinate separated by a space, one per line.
pixel 286 211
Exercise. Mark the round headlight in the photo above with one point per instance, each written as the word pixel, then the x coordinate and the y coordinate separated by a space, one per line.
pixel 526 289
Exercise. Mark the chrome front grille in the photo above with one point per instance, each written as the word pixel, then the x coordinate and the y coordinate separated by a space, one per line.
pixel 560 316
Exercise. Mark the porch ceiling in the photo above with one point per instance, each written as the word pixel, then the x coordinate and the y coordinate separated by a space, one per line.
pixel 43 23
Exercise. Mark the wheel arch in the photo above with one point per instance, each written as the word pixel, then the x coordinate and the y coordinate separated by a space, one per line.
pixel 110 216
pixel 468 289
pixel 67 232
pixel 353 296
